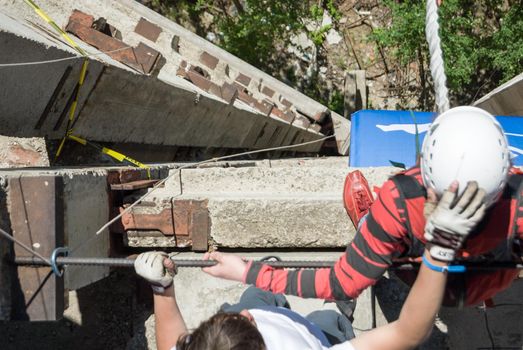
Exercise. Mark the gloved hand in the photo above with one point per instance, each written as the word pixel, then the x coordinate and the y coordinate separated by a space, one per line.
pixel 152 267
pixel 453 218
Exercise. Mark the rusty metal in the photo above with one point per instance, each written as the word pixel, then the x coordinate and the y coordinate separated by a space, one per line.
pixel 36 214
pixel 192 223
pixel 134 185
pixel 209 60
pixel 148 30
pixel 146 57
pixel 134 220
pixel 142 58
pixel 187 220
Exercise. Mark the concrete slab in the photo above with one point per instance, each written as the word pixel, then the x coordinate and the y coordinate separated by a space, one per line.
pixel 288 222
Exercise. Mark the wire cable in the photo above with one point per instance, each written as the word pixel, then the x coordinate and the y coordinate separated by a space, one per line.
pixel 161 182
pixel 14 240
pixel 200 163
pixel 17 64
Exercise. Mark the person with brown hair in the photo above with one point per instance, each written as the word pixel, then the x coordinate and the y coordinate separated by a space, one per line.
pixel 447 222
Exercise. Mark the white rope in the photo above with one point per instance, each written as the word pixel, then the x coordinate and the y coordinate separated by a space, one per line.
pixel 17 64
pixel 437 68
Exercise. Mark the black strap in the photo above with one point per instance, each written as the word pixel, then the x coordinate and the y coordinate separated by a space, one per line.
pixel 409 188
pixel 515 184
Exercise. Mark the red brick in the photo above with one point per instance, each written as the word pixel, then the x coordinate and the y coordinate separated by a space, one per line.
pixel 243 79
pixel 301 120
pixel 18 156
pixel 209 60
pixel 199 80
pixel 215 89
pixel 244 97
pixel 286 103
pixel 82 18
pixel 254 103
pixel 229 93
pixel 266 107
pixel 146 57
pixel 240 87
pixel 147 29
pixel 142 58
pixel 267 91
pixel 288 117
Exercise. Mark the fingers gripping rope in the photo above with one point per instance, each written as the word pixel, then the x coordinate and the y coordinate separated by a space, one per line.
pixel 437 67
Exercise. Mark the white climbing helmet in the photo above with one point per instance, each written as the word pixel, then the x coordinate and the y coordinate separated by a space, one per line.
pixel 465 144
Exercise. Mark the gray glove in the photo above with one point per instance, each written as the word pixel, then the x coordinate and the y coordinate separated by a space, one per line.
pixel 150 266
pixel 453 219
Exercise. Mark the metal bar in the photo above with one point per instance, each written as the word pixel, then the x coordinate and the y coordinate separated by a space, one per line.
pixel 129 262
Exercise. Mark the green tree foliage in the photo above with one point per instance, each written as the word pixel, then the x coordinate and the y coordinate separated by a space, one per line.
pixel 258 31
pixel 482 43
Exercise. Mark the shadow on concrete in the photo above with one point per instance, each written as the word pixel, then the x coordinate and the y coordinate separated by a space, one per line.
pixel 103 315
pixel 499 327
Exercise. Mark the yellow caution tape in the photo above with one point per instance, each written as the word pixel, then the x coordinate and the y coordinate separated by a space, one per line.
pixel 68 133
pixel 52 23
pixel 112 153
pixel 81 78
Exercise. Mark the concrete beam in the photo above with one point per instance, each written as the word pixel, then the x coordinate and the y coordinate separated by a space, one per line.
pixel 504 100
pixel 123 107
pixel 260 206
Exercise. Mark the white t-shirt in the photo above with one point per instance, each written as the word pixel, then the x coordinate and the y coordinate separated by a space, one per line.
pixel 279 332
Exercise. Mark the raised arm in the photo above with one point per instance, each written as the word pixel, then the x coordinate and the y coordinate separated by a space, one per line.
pixel 446 229
pixel 159 270
pixel 417 314
pixel 366 258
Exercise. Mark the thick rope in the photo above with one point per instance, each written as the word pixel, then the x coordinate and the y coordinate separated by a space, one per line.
pixel 437 68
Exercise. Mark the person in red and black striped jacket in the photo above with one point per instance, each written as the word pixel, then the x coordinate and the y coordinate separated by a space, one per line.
pixel 387 234
pixel 395 226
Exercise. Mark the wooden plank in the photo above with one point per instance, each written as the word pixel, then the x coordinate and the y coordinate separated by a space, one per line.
pixel 36 214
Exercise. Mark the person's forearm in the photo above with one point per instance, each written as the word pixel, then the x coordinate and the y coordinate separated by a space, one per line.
pixel 419 311
pixel 169 321
pixel 416 318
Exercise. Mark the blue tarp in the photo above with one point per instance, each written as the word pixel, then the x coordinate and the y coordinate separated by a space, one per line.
pixel 378 137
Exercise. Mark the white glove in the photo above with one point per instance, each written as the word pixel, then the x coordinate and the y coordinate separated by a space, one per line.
pixel 150 266
pixel 453 219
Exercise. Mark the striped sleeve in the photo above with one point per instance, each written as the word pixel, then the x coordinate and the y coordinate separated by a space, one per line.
pixel 379 240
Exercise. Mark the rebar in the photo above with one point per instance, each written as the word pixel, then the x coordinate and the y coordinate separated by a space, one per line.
pixel 129 262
